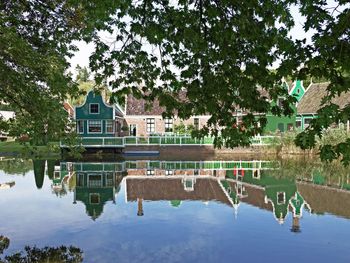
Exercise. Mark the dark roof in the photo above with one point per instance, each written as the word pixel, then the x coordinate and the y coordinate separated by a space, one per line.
pixel 254 196
pixel 136 106
pixel 154 189
pixel 326 200
pixel 311 101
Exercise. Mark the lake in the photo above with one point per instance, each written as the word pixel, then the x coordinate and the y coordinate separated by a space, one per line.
pixel 134 210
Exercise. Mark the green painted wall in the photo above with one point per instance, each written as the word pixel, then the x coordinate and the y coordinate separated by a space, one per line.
pixel 302 119
pixel 298 90
pixel 281 123
pixel 105 113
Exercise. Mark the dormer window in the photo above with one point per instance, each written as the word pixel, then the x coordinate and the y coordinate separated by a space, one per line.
pixel 94 108
pixel 280 102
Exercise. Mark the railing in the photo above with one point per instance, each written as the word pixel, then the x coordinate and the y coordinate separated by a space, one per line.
pixel 115 142
pixel 172 165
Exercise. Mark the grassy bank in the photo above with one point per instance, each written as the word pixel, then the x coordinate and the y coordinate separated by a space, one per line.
pixel 16 148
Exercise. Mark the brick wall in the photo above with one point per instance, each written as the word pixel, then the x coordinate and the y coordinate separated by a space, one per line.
pixel 141 123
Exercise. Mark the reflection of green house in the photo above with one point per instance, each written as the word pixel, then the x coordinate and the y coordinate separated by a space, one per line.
pixel 95 189
pixel 280 193
pixel 279 196
pixel 175 203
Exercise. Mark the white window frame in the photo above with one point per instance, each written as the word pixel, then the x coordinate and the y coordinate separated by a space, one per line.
pixel 83 123
pixel 90 108
pixel 150 171
pixel 135 125
pixel 99 198
pixel 305 125
pixel 284 198
pixel 257 174
pixel 169 124
pixel 56 175
pixel 169 172
pixel 113 124
pixel 282 99
pixel 88 180
pixel 149 130
pixel 88 127
pixel 194 123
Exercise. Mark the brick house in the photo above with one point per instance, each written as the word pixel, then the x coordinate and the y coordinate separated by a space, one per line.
pixel 142 122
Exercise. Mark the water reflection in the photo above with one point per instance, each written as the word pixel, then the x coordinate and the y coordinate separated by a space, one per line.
pixel 263 184
pixel 228 182
pixel 191 211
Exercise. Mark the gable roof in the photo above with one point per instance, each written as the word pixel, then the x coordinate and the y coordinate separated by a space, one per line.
pixel 311 101
pixel 135 106
pixel 155 189
pixel 68 108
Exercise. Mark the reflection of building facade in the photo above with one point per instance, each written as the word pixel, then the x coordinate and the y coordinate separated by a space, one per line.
pixel 227 182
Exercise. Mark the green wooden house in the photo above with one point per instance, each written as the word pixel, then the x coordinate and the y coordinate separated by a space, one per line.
pixel 311 102
pixel 95 118
pixel 284 123
pixel 297 90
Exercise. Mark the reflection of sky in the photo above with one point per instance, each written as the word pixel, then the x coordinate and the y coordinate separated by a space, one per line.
pixel 193 232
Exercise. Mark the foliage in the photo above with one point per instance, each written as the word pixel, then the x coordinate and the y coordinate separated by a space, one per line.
pixel 16 166
pixel 180 128
pixel 47 254
pixel 220 53
pixel 36 41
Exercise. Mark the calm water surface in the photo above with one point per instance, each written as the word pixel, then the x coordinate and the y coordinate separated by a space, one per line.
pixel 161 211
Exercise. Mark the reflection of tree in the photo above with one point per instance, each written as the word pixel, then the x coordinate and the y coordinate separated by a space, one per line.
pixel 39 172
pixel 4 244
pixel 47 254
pixel 16 166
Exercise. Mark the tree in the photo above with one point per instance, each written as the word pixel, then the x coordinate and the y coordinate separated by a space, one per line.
pixel 83 74
pixel 221 53
pixel 35 41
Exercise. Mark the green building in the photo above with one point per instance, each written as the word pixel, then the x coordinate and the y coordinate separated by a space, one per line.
pixel 97 119
pixel 311 102
pixel 285 123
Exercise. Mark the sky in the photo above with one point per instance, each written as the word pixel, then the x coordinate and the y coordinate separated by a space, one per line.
pixel 81 57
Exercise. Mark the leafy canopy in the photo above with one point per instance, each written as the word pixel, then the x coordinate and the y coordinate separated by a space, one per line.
pixel 221 53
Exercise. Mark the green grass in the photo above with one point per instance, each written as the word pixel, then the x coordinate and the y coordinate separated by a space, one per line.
pixel 18 148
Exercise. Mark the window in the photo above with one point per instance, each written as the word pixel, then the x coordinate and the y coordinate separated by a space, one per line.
pixel 109 126
pixel 256 174
pixel 290 127
pixel 281 198
pixel 307 122
pixel 95 127
pixel 150 125
pixel 280 127
pixel 280 102
pixel 298 91
pixel 109 179
pixel 150 172
pixel 132 130
pixel 196 172
pixel 95 180
pixel 80 126
pixel 94 108
pixel 169 172
pixel 94 198
pixel 298 123
pixel 168 125
pixel 196 123
pixel 80 179
pixel 56 175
